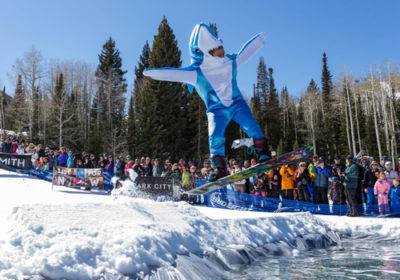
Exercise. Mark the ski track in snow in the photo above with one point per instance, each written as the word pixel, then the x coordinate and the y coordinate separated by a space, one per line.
pixel 73 234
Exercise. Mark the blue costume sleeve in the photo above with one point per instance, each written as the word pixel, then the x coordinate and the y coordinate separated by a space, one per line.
pixel 250 48
pixel 183 75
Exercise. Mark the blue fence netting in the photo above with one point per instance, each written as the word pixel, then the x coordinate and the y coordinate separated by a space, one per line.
pixel 228 199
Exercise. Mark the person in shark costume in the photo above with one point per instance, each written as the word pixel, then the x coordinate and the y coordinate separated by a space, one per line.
pixel 213 74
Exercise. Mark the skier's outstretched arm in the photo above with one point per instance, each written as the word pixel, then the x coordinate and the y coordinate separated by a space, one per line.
pixel 250 48
pixel 188 76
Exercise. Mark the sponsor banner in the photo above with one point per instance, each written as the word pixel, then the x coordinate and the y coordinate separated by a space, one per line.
pixel 78 177
pixel 13 161
pixel 229 199
pixel 155 185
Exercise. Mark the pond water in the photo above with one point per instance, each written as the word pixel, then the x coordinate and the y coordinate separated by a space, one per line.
pixel 355 257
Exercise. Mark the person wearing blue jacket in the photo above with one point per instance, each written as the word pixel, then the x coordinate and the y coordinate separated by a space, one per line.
pixel 62 159
pixel 394 196
pixel 322 173
pixel 70 160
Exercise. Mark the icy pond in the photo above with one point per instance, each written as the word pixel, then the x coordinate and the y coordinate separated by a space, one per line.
pixel 355 257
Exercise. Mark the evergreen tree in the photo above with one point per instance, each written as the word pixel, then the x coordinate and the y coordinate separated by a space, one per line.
pixel 134 102
pixel 327 108
pixel 59 115
pixel 109 101
pixel 273 112
pixel 18 108
pixel 161 115
pixel 73 127
pixel 261 96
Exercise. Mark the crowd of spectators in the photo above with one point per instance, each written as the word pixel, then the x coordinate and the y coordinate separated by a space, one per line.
pixel 352 181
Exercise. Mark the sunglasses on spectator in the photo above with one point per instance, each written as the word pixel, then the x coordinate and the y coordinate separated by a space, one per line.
pixel 302 165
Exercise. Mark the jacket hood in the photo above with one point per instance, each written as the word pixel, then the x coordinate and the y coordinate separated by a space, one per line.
pixel 202 40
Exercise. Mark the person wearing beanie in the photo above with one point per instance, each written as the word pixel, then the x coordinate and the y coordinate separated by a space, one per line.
pixel 390 173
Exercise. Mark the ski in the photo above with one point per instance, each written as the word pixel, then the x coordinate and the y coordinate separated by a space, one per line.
pixel 288 158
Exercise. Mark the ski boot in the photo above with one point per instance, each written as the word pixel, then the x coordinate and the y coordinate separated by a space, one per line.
pixel 219 166
pixel 261 148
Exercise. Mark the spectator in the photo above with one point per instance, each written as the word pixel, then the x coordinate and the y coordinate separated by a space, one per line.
pixel 84 156
pixel 102 162
pixel 129 164
pixel 239 186
pixel 350 183
pixel 30 149
pixel 79 164
pixel 6 146
pixel 45 165
pixel 371 176
pixel 336 190
pixel 310 166
pixel 156 168
pixel 138 168
pixel 338 167
pixel 20 150
pixel 35 157
pixel 62 159
pixel 185 177
pixel 14 147
pixel 193 176
pixel 250 182
pixel 176 174
pixel 204 174
pixel 384 159
pixel 394 196
pixel 87 163
pixel 381 190
pixel 51 159
pixel 321 173
pixel 287 183
pixel 166 172
pixel 110 165
pixel 390 173
pixel 303 180
pixel 41 151
pixel 260 188
pixel 93 161
pixel 148 167
pixel 120 167
pixel 70 160
pixel 275 186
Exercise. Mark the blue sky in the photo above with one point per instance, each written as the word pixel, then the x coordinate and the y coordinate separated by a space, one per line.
pixel 355 34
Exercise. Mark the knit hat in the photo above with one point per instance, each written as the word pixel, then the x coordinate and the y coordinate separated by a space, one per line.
pixel 388 163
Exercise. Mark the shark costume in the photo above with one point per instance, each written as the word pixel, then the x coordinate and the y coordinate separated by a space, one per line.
pixel 215 80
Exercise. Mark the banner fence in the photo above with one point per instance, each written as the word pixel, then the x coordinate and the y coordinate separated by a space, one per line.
pixel 13 161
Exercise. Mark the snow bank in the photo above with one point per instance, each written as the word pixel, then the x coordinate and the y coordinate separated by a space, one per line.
pixel 73 234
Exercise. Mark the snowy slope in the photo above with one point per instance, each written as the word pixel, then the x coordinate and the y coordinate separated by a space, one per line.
pixel 72 234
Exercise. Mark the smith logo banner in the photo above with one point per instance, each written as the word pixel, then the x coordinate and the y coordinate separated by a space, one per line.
pixel 15 161
pixel 78 177
pixel 155 185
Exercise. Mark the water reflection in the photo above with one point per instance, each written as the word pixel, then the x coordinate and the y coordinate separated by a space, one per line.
pixel 356 257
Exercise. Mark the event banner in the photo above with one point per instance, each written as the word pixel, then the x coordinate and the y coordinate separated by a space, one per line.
pixel 155 185
pixel 15 161
pixel 78 177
